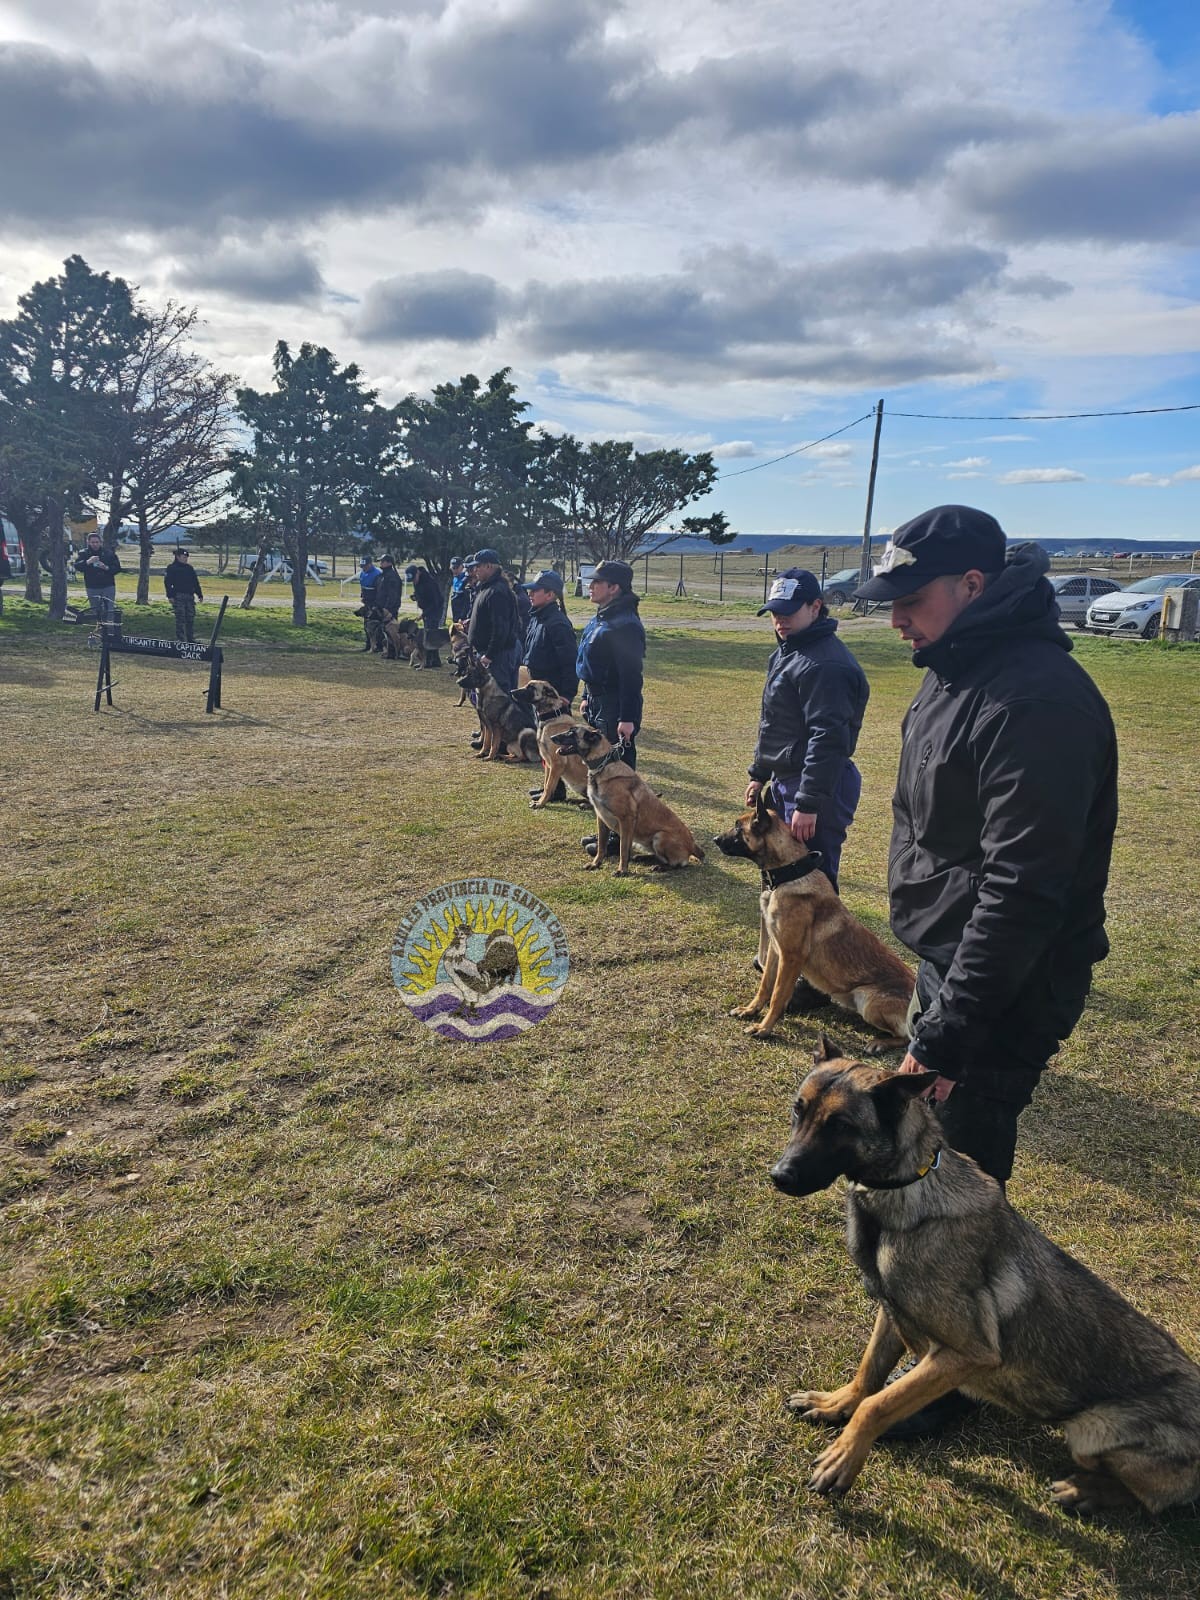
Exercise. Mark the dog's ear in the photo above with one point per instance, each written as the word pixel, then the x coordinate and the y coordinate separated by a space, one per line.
pixel 761 814
pixel 904 1086
pixel 827 1050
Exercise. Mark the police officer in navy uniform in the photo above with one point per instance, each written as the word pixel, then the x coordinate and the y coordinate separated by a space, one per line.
pixel 492 631
pixel 611 656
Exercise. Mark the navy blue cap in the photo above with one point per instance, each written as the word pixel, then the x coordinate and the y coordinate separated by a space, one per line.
pixel 546 580
pixel 792 589
pixel 940 543
pixel 618 572
pixel 482 556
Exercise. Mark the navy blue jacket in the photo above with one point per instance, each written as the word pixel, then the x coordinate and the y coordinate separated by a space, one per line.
pixel 493 626
pixel 428 598
pixel 610 657
pixel 180 578
pixel 812 710
pixel 550 647
pixel 1004 813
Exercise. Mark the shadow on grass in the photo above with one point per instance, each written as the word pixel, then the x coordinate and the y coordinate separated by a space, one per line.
pixel 1117 1138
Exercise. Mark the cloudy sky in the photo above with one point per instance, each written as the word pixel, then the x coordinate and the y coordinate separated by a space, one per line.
pixel 729 226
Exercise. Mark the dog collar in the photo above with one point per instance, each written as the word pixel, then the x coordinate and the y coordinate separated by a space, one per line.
pixel 615 754
pixel 550 717
pixel 798 869
pixel 931 1165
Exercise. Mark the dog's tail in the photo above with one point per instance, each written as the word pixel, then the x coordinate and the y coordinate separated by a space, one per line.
pixel 527 744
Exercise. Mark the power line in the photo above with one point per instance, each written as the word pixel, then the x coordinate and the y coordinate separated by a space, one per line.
pixel 1061 416
pixel 799 450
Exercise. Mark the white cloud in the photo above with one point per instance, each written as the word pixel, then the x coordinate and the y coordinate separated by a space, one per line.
pixel 1044 475
pixel 970 463
pixel 1144 480
pixel 1187 475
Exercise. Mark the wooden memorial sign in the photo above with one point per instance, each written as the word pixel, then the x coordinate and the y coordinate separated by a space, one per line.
pixel 113 642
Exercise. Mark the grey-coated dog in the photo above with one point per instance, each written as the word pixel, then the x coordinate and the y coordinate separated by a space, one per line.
pixel 988 1304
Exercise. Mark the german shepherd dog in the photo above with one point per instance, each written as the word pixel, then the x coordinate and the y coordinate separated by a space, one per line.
pixel 503 723
pixel 626 805
pixel 806 930
pixel 985 1301
pixel 552 714
pixel 458 653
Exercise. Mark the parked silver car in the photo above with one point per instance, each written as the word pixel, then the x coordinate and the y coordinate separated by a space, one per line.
pixel 1075 592
pixel 1136 612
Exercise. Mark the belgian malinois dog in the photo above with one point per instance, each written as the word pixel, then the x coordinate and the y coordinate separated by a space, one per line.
pixel 626 805
pixel 806 930
pixel 552 714
pixel 503 723
pixel 985 1301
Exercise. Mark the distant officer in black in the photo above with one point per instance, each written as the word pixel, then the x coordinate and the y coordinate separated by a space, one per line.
pixel 183 590
pixel 387 598
pixel 461 594
pixel 611 653
pixel 5 575
pixel 492 630
pixel 431 603
pixel 550 642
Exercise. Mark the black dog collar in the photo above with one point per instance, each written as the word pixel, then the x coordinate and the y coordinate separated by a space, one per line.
pixel 789 874
pixel 931 1165
pixel 551 716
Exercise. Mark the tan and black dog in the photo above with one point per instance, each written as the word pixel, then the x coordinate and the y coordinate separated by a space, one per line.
pixel 502 722
pixel 807 931
pixel 985 1301
pixel 552 714
pixel 459 649
pixel 626 805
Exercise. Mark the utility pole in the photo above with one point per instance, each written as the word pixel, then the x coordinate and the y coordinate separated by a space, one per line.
pixel 864 564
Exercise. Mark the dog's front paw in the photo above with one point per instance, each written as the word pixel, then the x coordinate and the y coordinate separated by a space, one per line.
pixel 759 1030
pixel 821 1405
pixel 621 872
pixel 593 866
pixel 745 1011
pixel 537 805
pixel 835 1469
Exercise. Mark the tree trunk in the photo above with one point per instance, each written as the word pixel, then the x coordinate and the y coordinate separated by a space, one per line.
pixel 299 598
pixel 31 542
pixel 144 552
pixel 58 560
pixel 256 576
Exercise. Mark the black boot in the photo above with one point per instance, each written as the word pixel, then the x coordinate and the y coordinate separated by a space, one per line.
pixel 559 794
pixel 614 844
pixel 432 659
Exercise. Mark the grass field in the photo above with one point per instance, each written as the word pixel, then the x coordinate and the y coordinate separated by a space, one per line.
pixel 299 1300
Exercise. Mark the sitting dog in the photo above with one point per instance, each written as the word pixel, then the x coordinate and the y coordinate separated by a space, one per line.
pixel 808 931
pixel 404 640
pixel 626 805
pixel 507 734
pixel 552 714
pixel 459 649
pixel 985 1301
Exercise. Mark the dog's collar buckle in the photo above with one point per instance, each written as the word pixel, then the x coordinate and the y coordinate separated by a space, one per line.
pixel 615 754
pixel 931 1165
pixel 778 876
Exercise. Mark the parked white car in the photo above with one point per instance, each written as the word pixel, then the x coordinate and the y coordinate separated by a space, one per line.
pixel 1075 592
pixel 1135 612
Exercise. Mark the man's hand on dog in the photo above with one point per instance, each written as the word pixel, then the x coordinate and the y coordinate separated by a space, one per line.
pixel 941 1089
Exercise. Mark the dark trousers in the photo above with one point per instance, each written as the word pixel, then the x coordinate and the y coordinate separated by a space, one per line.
pixel 980 1116
pixel 184 607
pixel 833 820
pixel 505 666
pixel 602 713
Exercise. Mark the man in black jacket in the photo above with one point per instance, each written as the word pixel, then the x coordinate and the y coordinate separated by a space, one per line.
pixel 550 642
pixel 1004 814
pixel 99 568
pixel 386 598
pixel 812 710
pixel 492 630
pixel 431 603
pixel 183 590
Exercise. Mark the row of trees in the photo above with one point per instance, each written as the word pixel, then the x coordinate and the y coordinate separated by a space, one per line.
pixel 104 408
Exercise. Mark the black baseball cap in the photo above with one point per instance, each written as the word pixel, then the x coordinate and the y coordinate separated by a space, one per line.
pixel 618 572
pixel 940 543
pixel 546 580
pixel 485 557
pixel 792 589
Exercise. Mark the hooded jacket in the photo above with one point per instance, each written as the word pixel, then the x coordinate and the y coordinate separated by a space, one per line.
pixel 812 710
pixel 610 657
pixel 1004 813
pixel 550 648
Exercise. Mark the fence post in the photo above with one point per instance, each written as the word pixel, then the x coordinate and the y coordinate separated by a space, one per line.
pixel 679 588
pixel 721 578
pixel 766 576
pixel 646 584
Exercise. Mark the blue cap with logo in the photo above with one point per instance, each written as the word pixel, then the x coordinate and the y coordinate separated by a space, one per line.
pixel 795 588
pixel 546 580
pixel 941 543
pixel 484 558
